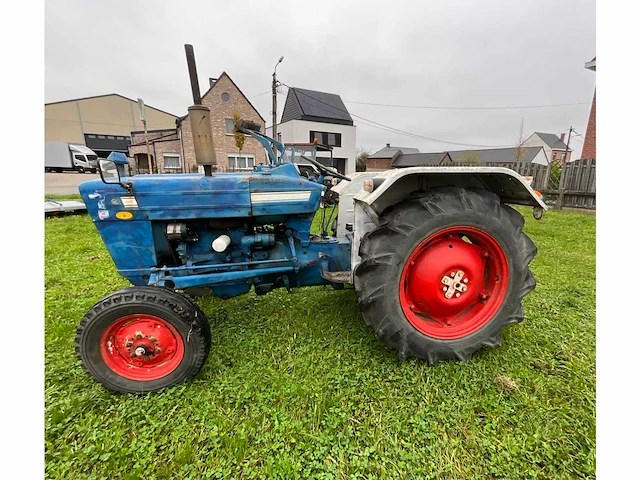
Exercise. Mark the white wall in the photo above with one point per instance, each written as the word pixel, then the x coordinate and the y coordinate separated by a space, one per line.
pixel 540 158
pixel 298 131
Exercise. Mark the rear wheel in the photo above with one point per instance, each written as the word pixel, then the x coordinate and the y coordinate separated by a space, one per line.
pixel 445 273
pixel 80 169
pixel 142 339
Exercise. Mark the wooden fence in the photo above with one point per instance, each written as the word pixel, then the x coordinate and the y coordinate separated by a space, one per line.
pixel 579 181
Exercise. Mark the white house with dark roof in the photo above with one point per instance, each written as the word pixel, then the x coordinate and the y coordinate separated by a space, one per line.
pixel 554 146
pixel 310 115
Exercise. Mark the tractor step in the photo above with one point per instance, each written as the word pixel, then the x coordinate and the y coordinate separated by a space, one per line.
pixel 337 277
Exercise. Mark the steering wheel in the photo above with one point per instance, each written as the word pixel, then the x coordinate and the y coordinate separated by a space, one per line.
pixel 323 168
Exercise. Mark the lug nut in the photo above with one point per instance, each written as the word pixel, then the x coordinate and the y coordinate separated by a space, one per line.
pixel 453 274
pixel 444 289
pixel 466 280
pixel 457 295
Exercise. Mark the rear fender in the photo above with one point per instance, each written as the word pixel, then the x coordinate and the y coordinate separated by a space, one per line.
pixel 398 184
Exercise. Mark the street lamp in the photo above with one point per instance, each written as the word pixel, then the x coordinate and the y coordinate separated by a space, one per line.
pixel 274 86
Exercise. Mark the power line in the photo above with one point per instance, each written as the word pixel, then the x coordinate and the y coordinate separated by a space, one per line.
pixel 374 124
pixel 467 108
pixel 260 94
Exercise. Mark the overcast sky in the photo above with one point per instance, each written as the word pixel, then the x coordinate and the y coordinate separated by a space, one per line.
pixel 458 53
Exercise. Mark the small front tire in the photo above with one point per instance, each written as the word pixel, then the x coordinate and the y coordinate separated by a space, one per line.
pixel 142 339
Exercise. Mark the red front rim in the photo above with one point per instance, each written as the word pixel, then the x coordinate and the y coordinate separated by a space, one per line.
pixel 454 282
pixel 142 347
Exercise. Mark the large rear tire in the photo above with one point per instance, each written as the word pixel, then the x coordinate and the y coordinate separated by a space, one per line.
pixel 444 274
pixel 142 339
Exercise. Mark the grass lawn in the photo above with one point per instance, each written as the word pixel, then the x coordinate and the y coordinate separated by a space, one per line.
pixel 297 386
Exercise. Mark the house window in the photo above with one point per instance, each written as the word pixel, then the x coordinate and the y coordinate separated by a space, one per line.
pixel 241 161
pixel 229 126
pixel 171 161
pixel 326 138
pixel 225 97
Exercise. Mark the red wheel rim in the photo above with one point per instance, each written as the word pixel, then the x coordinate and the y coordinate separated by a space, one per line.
pixel 454 282
pixel 142 347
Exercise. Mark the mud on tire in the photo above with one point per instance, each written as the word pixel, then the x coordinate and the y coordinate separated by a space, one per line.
pixel 381 278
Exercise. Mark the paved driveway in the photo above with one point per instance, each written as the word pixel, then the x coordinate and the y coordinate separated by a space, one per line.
pixel 65 183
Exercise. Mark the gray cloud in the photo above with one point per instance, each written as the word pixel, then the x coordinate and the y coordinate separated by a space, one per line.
pixel 455 53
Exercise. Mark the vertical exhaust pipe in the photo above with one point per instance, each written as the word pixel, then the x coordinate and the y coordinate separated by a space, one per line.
pixel 200 120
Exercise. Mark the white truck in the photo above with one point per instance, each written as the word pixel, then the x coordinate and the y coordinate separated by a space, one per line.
pixel 62 156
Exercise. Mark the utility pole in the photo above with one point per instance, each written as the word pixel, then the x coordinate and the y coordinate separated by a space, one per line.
pixel 143 119
pixel 563 172
pixel 274 101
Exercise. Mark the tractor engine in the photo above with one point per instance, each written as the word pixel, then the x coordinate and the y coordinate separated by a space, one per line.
pixel 231 243
pixel 223 233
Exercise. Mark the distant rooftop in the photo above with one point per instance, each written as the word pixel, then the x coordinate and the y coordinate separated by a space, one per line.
pixel 591 65
pixel 419 159
pixel 500 155
pixel 388 151
pixel 310 105
pixel 552 140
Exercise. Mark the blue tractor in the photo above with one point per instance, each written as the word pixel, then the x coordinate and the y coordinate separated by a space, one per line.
pixel 438 260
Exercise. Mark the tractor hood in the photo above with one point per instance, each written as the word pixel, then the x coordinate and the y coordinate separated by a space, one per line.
pixel 279 191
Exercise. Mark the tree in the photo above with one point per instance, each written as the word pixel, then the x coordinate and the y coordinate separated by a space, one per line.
pixel 520 152
pixel 361 159
pixel 238 136
pixel 469 157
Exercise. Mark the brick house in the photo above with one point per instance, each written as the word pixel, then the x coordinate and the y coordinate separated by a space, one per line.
pixel 165 149
pixel 383 158
pixel 589 148
pixel 172 149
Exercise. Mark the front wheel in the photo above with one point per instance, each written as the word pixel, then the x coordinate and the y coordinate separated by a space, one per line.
pixel 142 339
pixel 445 273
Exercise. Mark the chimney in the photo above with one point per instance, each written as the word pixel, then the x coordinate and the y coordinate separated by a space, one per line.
pixel 388 145
pixel 562 137
pixel 212 81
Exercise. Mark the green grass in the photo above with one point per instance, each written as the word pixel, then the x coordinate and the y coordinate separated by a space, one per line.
pixel 297 386
pixel 69 196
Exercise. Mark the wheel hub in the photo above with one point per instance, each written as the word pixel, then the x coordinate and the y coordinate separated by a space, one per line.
pixel 453 282
pixel 142 347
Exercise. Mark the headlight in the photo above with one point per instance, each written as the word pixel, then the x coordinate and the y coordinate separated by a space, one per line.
pixel 371 184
